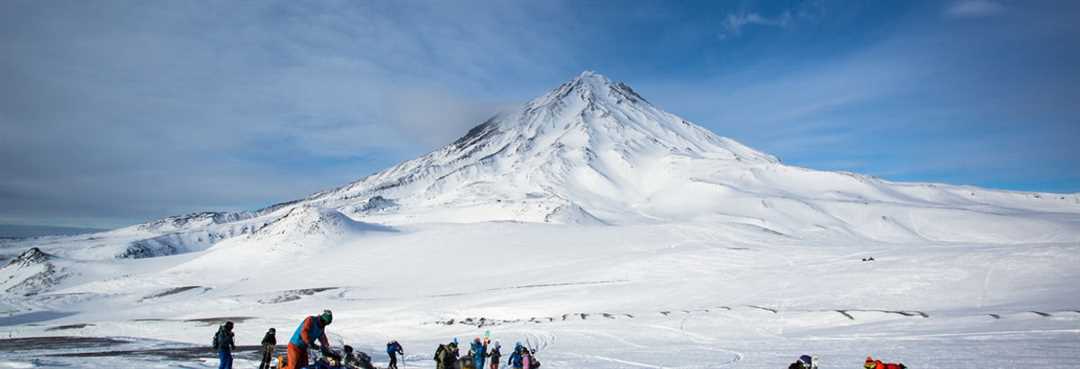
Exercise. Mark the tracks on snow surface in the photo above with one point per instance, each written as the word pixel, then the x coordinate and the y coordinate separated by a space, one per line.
pixel 850 314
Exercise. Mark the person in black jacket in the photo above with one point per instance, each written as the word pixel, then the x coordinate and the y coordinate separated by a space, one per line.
pixel 223 343
pixel 269 342
pixel 495 356
pixel 450 356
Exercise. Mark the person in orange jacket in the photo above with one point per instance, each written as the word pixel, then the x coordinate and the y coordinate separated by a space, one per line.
pixel 311 329
pixel 877 364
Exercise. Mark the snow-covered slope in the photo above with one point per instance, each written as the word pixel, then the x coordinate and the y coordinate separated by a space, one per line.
pixel 609 232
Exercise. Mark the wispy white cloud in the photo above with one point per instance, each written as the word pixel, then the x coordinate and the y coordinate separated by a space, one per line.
pixel 974 8
pixel 734 23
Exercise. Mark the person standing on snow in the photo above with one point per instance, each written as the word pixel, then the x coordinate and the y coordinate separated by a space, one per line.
pixel 516 356
pixel 223 343
pixel 269 342
pixel 311 329
pixel 393 348
pixel 526 359
pixel 446 356
pixel 479 352
pixel 495 356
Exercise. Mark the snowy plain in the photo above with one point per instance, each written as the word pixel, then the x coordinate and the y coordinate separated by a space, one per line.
pixel 597 228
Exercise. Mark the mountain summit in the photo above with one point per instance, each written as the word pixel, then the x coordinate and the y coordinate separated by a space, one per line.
pixel 582 153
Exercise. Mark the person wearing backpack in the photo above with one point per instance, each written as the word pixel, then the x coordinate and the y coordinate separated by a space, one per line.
pixel 439 352
pixel 534 363
pixel 495 356
pixel 223 343
pixel 515 361
pixel 269 342
pixel 393 348
pixel 446 356
pixel 312 329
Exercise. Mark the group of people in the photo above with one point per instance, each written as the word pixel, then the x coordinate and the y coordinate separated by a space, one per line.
pixel 447 356
pixel 311 335
pixel 808 362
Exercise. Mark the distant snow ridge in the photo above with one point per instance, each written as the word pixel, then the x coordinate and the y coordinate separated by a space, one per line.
pixel 315 221
pixel 30 273
pixel 595 152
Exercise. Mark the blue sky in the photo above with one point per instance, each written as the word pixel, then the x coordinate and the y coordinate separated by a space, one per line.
pixel 119 112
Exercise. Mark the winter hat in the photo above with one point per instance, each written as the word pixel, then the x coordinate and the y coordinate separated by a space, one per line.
pixel 326 317
pixel 805 359
pixel 347 349
pixel 273 331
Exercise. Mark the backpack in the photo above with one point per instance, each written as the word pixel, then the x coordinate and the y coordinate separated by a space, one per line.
pixel 439 352
pixel 217 334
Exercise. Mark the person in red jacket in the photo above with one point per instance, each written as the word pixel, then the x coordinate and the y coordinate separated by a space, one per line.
pixel 877 364
pixel 313 328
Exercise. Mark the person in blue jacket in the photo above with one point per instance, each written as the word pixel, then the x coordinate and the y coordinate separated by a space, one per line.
pixel 312 329
pixel 515 357
pixel 393 348
pixel 479 352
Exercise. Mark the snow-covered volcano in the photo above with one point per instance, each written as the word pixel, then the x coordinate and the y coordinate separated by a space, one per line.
pixel 589 151
pixel 593 151
pixel 609 232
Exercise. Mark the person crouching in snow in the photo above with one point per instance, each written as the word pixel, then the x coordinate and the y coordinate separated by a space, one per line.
pixel 877 364
pixel 311 329
pixel 359 360
pixel 804 362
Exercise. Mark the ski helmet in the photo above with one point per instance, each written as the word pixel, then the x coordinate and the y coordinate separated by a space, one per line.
pixel 326 317
pixel 805 359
